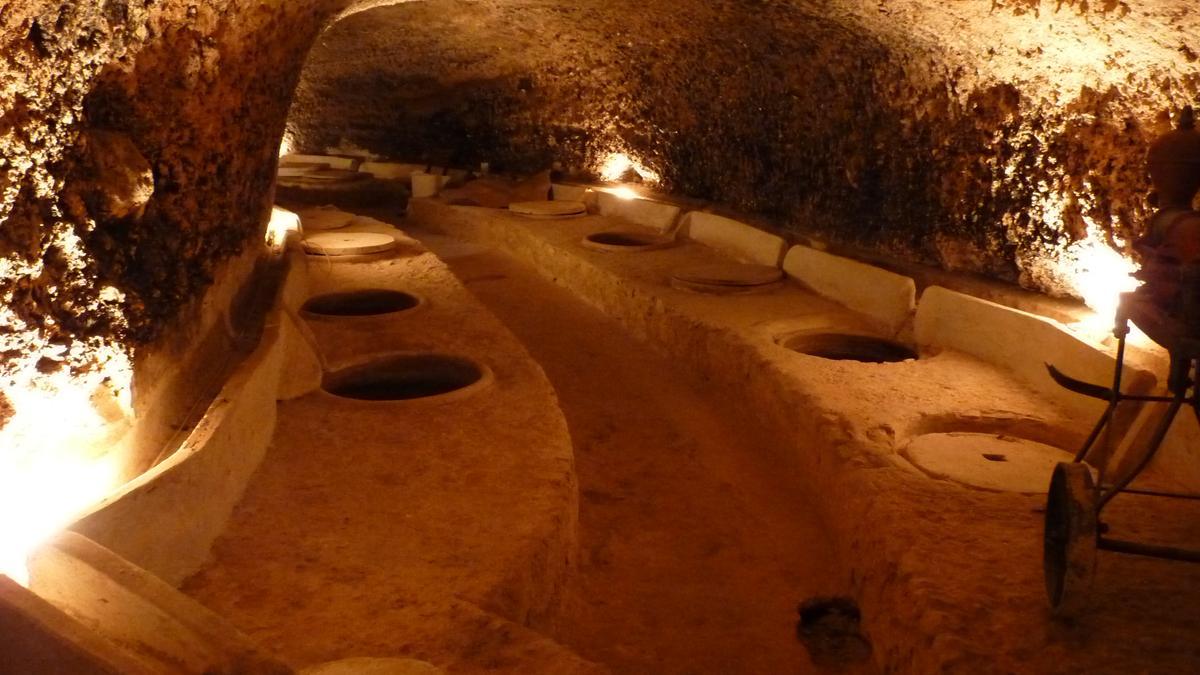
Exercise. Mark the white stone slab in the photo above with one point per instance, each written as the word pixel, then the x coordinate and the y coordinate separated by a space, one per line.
pixel 390 170
pixel 350 163
pixel 884 296
pixel 140 612
pixel 569 193
pixel 427 184
pixel 655 215
pixel 299 170
pixel 166 519
pixel 742 241
pixel 1021 343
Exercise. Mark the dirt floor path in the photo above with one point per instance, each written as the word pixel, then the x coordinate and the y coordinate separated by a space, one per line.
pixel 696 551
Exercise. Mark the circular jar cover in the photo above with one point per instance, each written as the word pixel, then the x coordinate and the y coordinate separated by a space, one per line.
pixel 548 209
pixel 348 243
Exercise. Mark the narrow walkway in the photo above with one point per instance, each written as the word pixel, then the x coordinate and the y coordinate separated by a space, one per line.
pixel 696 551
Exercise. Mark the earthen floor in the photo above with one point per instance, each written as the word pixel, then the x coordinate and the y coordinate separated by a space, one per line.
pixel 695 550
pixel 949 578
pixel 355 537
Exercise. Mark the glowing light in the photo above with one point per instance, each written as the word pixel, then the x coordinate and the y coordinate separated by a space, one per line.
pixel 281 226
pixel 624 192
pixel 57 450
pixel 617 164
pixel 1103 276
pixel 285 145
pixel 1098 273
pixel 70 409
pixel 67 405
pixel 1091 269
pixel 41 497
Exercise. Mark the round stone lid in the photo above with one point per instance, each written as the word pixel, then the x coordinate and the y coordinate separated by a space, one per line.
pixel 988 461
pixel 548 209
pixel 348 243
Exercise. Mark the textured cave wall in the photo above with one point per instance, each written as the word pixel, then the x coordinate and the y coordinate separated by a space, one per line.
pixel 987 136
pixel 137 151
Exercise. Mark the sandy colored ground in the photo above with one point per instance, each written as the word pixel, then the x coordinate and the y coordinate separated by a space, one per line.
pixel 949 578
pixel 369 530
pixel 722 480
pixel 696 550
pixel 436 529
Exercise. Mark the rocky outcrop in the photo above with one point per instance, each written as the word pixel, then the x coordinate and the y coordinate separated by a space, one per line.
pixel 138 145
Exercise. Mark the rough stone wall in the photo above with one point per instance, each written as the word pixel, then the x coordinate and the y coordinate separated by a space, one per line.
pixel 194 95
pixel 1003 137
pixel 137 146
pixel 137 140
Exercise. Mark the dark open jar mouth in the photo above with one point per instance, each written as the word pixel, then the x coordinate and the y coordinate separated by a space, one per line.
pixel 407 377
pixel 618 240
pixel 848 347
pixel 361 303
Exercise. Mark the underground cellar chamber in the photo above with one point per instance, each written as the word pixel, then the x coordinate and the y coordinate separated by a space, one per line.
pixel 534 336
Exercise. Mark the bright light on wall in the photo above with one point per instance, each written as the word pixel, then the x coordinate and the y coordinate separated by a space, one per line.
pixel 58 450
pixel 41 498
pixel 1090 268
pixel 1101 275
pixel 282 224
pixel 616 166
pixel 67 413
pixel 285 145
pixel 624 192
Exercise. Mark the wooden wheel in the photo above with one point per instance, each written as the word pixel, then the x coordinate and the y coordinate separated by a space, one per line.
pixel 1069 553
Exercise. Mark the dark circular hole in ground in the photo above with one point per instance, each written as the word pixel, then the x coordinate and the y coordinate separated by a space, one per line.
pixel 844 347
pixel 368 302
pixel 830 627
pixel 621 239
pixel 404 377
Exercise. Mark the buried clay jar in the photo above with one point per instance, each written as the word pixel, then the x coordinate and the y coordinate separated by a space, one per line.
pixel 405 377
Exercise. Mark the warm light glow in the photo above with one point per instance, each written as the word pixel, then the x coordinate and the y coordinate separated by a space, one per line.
pixel 58 451
pixel 69 410
pixel 285 145
pixel 42 497
pixel 66 403
pixel 617 164
pixel 282 224
pixel 624 192
pixel 1091 268
pixel 1099 329
pixel 1099 274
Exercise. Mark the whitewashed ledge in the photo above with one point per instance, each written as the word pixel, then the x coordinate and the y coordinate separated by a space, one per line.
pixel 166 520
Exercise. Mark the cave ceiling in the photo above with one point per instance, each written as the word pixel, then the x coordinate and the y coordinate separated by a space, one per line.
pixel 138 139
